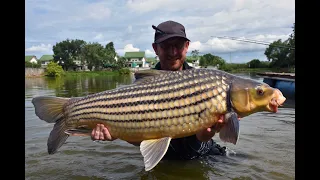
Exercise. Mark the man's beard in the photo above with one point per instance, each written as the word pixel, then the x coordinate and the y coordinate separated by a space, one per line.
pixel 174 64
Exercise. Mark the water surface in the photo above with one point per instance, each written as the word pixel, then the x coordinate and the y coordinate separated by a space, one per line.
pixel 265 150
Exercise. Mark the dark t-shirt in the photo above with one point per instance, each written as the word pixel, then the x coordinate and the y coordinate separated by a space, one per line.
pixel 190 147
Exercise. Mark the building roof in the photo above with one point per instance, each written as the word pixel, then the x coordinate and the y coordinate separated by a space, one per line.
pixel 46 58
pixel 139 54
pixel 29 57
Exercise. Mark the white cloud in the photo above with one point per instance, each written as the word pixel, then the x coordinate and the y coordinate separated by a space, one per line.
pixel 221 45
pixel 143 6
pixel 40 48
pixel 98 36
pixel 129 29
pixel 127 48
pixel 150 53
pixel 97 11
pixel 129 22
pixel 60 12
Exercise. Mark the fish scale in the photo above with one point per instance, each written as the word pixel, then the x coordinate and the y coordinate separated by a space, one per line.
pixel 171 108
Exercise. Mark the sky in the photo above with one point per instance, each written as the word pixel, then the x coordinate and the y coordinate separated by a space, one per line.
pixel 127 23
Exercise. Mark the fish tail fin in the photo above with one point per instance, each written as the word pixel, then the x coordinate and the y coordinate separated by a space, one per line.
pixel 57 136
pixel 50 109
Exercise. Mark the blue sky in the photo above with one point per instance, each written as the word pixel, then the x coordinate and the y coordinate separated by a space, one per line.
pixel 127 23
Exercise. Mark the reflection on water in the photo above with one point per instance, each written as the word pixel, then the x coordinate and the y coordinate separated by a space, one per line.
pixel 78 85
pixel 265 149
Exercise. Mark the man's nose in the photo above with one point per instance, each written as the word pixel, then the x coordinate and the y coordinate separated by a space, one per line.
pixel 173 51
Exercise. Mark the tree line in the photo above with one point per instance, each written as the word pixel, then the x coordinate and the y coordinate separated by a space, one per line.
pixel 279 54
pixel 93 54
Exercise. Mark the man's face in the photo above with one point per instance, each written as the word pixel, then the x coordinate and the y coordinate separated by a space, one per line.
pixel 172 53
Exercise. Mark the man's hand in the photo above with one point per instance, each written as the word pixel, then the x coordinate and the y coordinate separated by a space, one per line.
pixel 101 133
pixel 206 134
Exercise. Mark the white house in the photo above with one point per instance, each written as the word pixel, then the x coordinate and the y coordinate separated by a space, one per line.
pixel 32 59
pixel 136 59
pixel 45 59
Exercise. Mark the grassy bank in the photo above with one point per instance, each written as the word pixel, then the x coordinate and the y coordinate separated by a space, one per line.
pixel 239 70
pixel 97 73
pixel 91 73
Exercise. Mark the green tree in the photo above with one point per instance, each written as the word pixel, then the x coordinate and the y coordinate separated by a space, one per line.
pixel 121 62
pixel 68 51
pixel 195 53
pixel 110 54
pixel 211 60
pixel 282 54
pixel 277 53
pixel 291 43
pixel 54 70
pixel 93 54
pixel 255 63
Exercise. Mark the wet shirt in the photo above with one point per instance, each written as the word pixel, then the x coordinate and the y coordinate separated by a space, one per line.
pixel 190 147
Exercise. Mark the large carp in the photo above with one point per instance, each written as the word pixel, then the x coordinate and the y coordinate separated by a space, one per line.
pixel 160 106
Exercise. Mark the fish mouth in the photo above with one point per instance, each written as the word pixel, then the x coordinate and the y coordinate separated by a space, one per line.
pixel 277 100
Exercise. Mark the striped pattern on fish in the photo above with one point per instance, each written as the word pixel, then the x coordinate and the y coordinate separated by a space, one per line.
pixel 175 104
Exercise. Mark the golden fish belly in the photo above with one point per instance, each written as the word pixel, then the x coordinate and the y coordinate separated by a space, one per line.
pixel 176 105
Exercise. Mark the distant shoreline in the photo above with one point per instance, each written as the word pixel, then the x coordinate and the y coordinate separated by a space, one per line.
pixel 107 72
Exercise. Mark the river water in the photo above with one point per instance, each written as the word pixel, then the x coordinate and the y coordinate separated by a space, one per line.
pixel 265 150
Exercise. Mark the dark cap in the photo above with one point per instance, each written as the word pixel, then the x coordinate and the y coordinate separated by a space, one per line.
pixel 168 29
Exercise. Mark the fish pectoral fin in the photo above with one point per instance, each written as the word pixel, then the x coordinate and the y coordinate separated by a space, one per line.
pixel 230 131
pixel 78 132
pixel 153 151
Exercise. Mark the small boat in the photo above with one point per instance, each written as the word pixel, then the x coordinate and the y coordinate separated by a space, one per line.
pixel 285 82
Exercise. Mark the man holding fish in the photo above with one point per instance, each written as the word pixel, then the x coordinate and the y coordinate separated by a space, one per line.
pixel 172 112
pixel 171 46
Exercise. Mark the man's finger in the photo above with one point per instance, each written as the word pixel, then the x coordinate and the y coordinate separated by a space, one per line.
pixel 106 134
pixel 101 136
pixel 93 133
pixel 97 133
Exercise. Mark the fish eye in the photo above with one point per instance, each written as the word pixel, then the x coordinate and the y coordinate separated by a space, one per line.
pixel 260 91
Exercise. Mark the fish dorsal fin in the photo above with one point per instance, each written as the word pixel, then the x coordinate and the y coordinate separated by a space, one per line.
pixel 230 131
pixel 153 151
pixel 145 76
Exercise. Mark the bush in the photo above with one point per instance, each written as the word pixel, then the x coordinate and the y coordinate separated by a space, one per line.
pixel 124 71
pixel 54 70
pixel 32 65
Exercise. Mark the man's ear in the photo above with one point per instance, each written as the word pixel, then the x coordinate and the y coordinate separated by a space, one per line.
pixel 187 44
pixel 155 48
